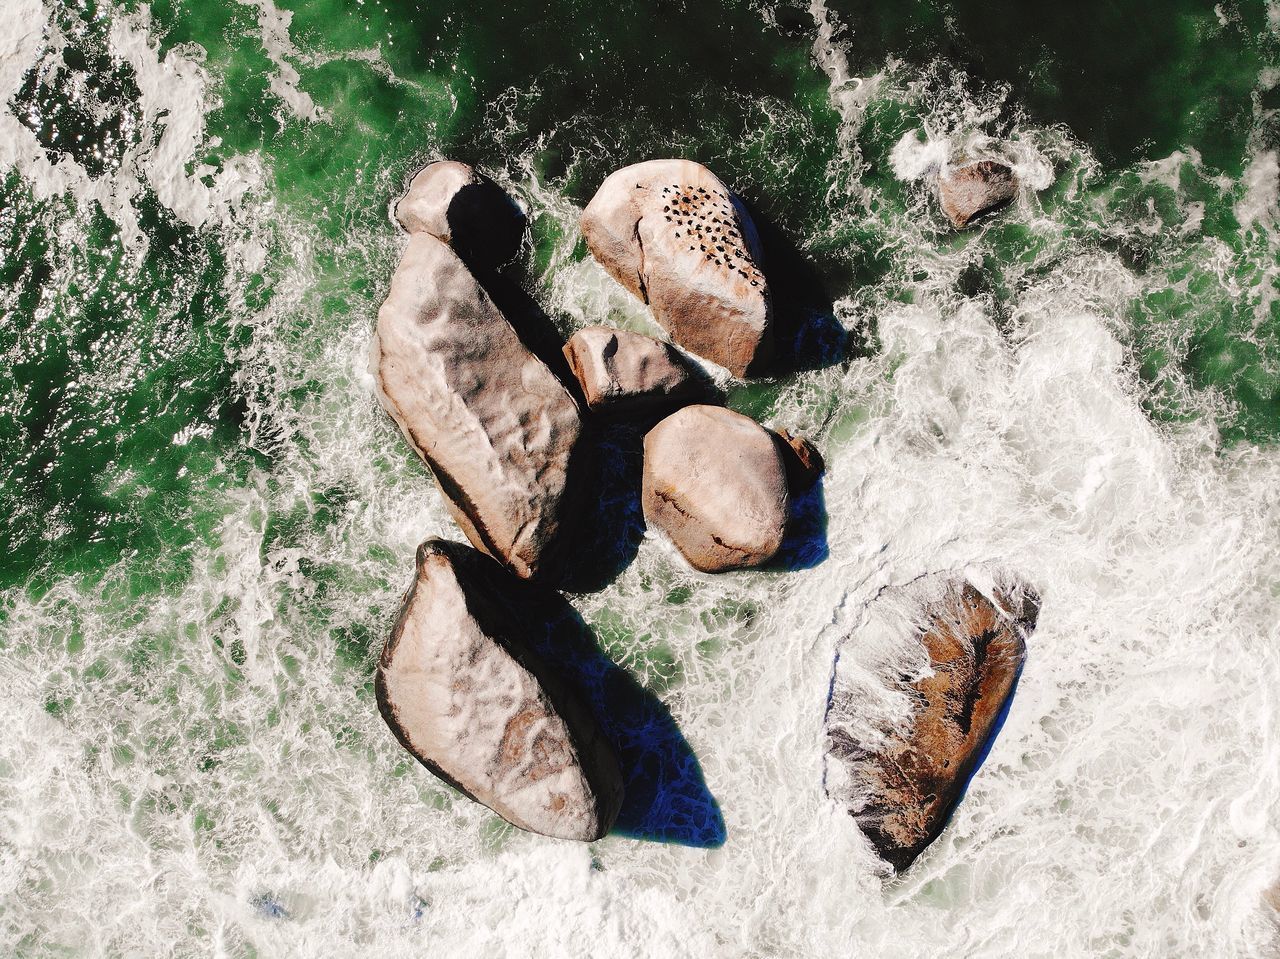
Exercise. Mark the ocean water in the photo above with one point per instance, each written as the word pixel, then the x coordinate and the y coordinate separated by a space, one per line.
pixel 208 522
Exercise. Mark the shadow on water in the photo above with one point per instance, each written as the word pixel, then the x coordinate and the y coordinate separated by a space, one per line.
pixel 805 544
pixel 806 333
pixel 667 799
pixel 611 521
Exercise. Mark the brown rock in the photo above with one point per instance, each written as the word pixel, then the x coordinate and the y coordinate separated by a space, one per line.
pixel 901 787
pixel 464 208
pixel 715 483
pixel 969 191
pixel 496 427
pixel 803 461
pixel 624 372
pixel 675 236
pixel 463 690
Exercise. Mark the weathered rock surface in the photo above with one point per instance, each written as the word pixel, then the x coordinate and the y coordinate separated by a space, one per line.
pixel 464 208
pixel 958 671
pixel 715 483
pixel 675 236
pixel 803 462
pixel 496 427
pixel 462 689
pixel 967 192
pixel 624 373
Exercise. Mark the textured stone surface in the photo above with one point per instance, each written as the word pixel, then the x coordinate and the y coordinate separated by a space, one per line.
pixel 673 234
pixel 969 191
pixel 456 204
pixel 803 461
pixel 624 372
pixel 902 783
pixel 715 483
pixel 496 427
pixel 461 688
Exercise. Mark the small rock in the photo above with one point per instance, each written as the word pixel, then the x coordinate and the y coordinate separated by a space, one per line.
pixel 497 428
pixel 675 236
pixel 803 462
pixel 969 191
pixel 623 372
pixel 464 208
pixel 715 483
pixel 463 690
pixel 902 783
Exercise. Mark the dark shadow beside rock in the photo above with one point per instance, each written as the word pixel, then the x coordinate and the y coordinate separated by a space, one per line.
pixel 610 522
pixel 486 225
pixel 537 331
pixel 806 333
pixel 667 799
pixel 805 544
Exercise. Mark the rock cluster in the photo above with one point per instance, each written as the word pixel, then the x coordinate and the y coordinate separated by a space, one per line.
pixel 460 682
pixel 902 784
pixel 675 236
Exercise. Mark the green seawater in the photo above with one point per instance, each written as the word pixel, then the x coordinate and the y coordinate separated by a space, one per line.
pixel 207 524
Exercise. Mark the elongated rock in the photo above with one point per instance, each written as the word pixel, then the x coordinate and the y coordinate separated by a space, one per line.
pixel 496 427
pixel 959 669
pixel 462 689
pixel 623 372
pixel 715 482
pixel 464 208
pixel 967 192
pixel 675 236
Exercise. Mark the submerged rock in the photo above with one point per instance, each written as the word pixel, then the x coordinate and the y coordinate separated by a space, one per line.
pixel 902 783
pixel 494 424
pixel 715 483
pixel 462 689
pixel 624 372
pixel 464 208
pixel 967 192
pixel 675 236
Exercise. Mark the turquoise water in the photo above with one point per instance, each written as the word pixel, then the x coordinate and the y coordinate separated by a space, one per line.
pixel 209 522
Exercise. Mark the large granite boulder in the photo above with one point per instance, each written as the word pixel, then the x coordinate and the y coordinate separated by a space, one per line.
pixel 715 482
pixel 463 690
pixel 464 208
pixel 958 667
pixel 627 373
pixel 675 236
pixel 967 192
pixel 496 427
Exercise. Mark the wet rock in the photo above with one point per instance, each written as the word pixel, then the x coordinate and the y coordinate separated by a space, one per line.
pixel 969 191
pixel 957 671
pixel 675 236
pixel 626 373
pixel 461 687
pixel 498 430
pixel 464 208
pixel 715 483
pixel 802 460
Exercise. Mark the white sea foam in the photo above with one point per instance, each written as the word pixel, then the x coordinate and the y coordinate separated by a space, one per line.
pixel 207 774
